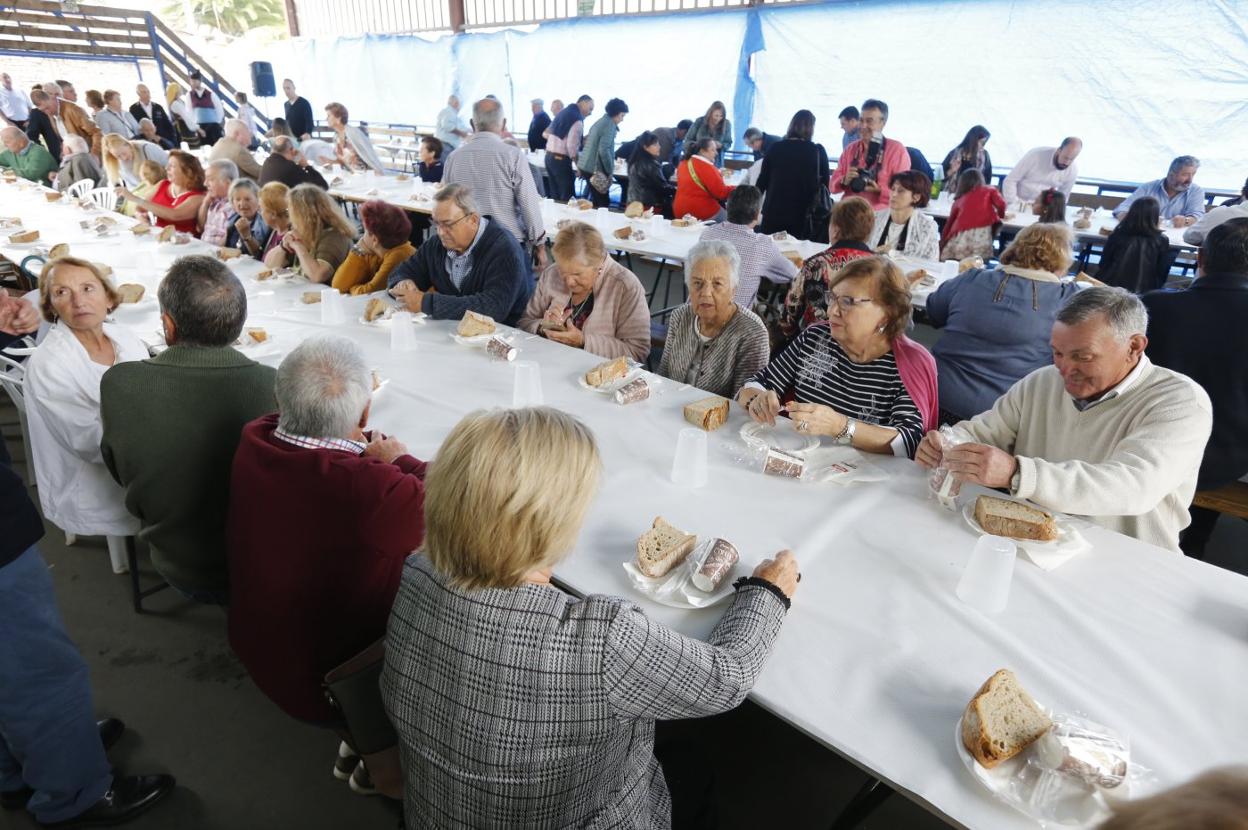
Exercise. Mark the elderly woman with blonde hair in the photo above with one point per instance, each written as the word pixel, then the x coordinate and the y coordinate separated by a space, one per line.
pixel 713 343
pixel 63 403
pixel 589 301
pixel 517 704
pixel 997 320
pixel 123 159
pixel 319 238
pixel 855 377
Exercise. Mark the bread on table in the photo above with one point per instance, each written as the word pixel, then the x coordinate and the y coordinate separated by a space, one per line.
pixel 1001 720
pixel 967 263
pixel 1003 517
pixel 634 210
pixel 166 233
pixel 257 335
pixel 311 297
pixel 662 548
pixel 584 204
pixel 131 292
pixel 681 223
pixel 141 229
pixel 53 196
pixel 228 253
pixel 265 274
pixel 622 233
pixel 474 324
pixel 794 257
pixel 106 270
pixel 606 372
pixel 708 413
pixel 24 236
pixel 376 308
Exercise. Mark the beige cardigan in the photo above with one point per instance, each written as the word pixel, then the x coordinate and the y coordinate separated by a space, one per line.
pixel 619 325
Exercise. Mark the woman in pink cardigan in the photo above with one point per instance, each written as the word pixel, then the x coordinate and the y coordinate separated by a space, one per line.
pixel 589 301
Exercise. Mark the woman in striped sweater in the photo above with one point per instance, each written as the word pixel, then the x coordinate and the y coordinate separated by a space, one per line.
pixel 856 378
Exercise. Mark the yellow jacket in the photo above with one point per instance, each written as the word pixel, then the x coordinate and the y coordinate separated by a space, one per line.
pixel 364 274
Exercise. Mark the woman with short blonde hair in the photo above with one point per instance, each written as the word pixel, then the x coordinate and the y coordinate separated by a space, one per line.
pixel 320 236
pixel 123 159
pixel 586 300
pixel 997 320
pixel 275 212
pixel 517 704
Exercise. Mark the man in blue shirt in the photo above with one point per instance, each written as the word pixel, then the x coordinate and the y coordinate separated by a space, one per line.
pixel 849 119
pixel 1180 200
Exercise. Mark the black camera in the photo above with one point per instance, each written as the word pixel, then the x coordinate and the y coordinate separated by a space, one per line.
pixel 859 182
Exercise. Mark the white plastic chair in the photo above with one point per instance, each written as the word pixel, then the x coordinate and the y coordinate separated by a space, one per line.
pixel 12 376
pixel 79 188
pixel 104 198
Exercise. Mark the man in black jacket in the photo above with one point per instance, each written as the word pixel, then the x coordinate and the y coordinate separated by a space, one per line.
pixel 471 264
pixel 286 164
pixel 52 759
pixel 538 125
pixel 1201 333
pixel 39 125
pixel 145 107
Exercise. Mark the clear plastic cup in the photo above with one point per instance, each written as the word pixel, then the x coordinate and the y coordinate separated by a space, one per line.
pixel 331 307
pixel 402 337
pixel 528 384
pixel 689 464
pixel 985 583
pixel 950 269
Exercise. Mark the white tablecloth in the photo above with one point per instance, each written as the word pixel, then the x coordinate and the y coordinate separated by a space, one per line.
pixel 877 657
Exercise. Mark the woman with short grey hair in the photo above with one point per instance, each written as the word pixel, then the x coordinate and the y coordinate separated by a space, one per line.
pixel 712 342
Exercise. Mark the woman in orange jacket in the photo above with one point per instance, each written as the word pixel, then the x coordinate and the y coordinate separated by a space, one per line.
pixel 700 188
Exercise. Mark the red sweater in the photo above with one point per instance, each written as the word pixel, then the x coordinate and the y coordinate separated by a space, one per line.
pixel 316 541
pixel 690 198
pixel 981 208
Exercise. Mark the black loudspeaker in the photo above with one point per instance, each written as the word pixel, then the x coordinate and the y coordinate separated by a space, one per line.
pixel 262 85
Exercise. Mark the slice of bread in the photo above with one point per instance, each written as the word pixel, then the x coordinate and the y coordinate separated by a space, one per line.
pixel 662 548
pixel 474 324
pixel 166 233
pixel 622 233
pixel 228 253
pixel 1003 517
pixel 23 236
pixel 265 274
pixel 106 270
pixel 311 297
pixel 376 308
pixel 634 210
pixel 606 372
pixel 708 413
pixel 58 250
pixel 258 335
pixel 141 229
pixel 53 197
pixel 131 292
pixel 1001 720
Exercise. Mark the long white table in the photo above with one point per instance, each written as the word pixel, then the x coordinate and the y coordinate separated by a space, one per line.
pixel 878 656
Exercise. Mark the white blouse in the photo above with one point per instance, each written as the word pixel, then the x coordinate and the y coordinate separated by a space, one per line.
pixel 922 236
pixel 62 387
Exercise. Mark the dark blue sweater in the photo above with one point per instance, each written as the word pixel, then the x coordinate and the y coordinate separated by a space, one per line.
pixel 498 283
pixel 20 525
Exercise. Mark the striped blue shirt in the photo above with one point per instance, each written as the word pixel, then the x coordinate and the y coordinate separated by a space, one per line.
pixel 815 369
pixel 1190 202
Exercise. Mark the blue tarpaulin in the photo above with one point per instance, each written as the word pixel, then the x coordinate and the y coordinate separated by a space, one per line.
pixel 1138 82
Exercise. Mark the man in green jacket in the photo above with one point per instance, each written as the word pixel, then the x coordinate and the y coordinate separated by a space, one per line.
pixel 29 160
pixel 172 423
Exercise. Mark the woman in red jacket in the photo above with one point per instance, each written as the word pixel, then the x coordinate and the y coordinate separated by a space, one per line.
pixel 700 188
pixel 974 219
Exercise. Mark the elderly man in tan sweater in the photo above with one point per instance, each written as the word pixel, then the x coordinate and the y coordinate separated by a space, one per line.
pixel 233 147
pixel 1101 433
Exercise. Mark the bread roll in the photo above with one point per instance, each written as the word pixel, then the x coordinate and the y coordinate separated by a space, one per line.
pixel 23 236
pixel 604 373
pixel 662 548
pixel 131 292
pixel 634 210
pixel 228 253
pixel 376 307
pixel 622 233
pixel 1001 720
pixel 474 324
pixel 1003 517
pixel 708 413
pixel 141 229
pixel 311 297
pixel 261 276
pixel 166 233
pixel 53 196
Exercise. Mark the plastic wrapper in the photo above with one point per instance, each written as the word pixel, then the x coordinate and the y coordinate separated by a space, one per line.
pixel 943 486
pixel 637 389
pixel 1069 777
pixel 823 465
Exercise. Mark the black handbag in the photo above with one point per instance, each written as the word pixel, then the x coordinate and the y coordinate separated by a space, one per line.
pixel 821 204
pixel 354 689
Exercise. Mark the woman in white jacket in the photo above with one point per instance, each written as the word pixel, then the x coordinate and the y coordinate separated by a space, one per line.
pixel 63 403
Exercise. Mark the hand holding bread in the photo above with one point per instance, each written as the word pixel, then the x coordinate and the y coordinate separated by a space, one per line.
pixel 781 572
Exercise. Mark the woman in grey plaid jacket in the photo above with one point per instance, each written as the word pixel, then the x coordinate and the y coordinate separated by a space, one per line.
pixel 518 705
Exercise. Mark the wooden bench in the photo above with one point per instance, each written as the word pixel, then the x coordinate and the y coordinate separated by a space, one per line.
pixel 1231 499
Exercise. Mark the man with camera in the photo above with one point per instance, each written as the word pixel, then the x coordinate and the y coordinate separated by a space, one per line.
pixel 867 165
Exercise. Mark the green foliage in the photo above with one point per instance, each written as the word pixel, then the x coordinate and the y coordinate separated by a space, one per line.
pixel 231 17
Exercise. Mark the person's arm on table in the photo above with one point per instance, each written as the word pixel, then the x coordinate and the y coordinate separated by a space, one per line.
pixel 506 275
pixel 652 672
pixel 1126 203
pixel 189 209
pixel 995 429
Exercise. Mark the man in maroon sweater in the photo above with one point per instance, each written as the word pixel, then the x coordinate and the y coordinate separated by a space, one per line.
pixel 322 517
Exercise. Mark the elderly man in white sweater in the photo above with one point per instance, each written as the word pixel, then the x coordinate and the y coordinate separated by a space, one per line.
pixel 1101 433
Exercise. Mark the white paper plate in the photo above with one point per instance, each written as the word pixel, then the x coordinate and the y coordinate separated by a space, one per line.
pixel 690 598
pixel 610 387
pixel 477 339
pixel 783 436
pixel 1046 554
pixel 1087 811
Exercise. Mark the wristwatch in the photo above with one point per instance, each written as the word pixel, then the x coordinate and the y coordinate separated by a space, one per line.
pixel 847 434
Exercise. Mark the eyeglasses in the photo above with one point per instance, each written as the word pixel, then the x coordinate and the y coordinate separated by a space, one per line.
pixel 846 303
pixel 446 226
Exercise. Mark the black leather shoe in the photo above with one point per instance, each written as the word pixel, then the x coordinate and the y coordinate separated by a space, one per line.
pixel 129 798
pixel 111 730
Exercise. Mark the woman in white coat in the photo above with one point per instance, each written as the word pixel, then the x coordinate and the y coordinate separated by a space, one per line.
pixel 62 389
